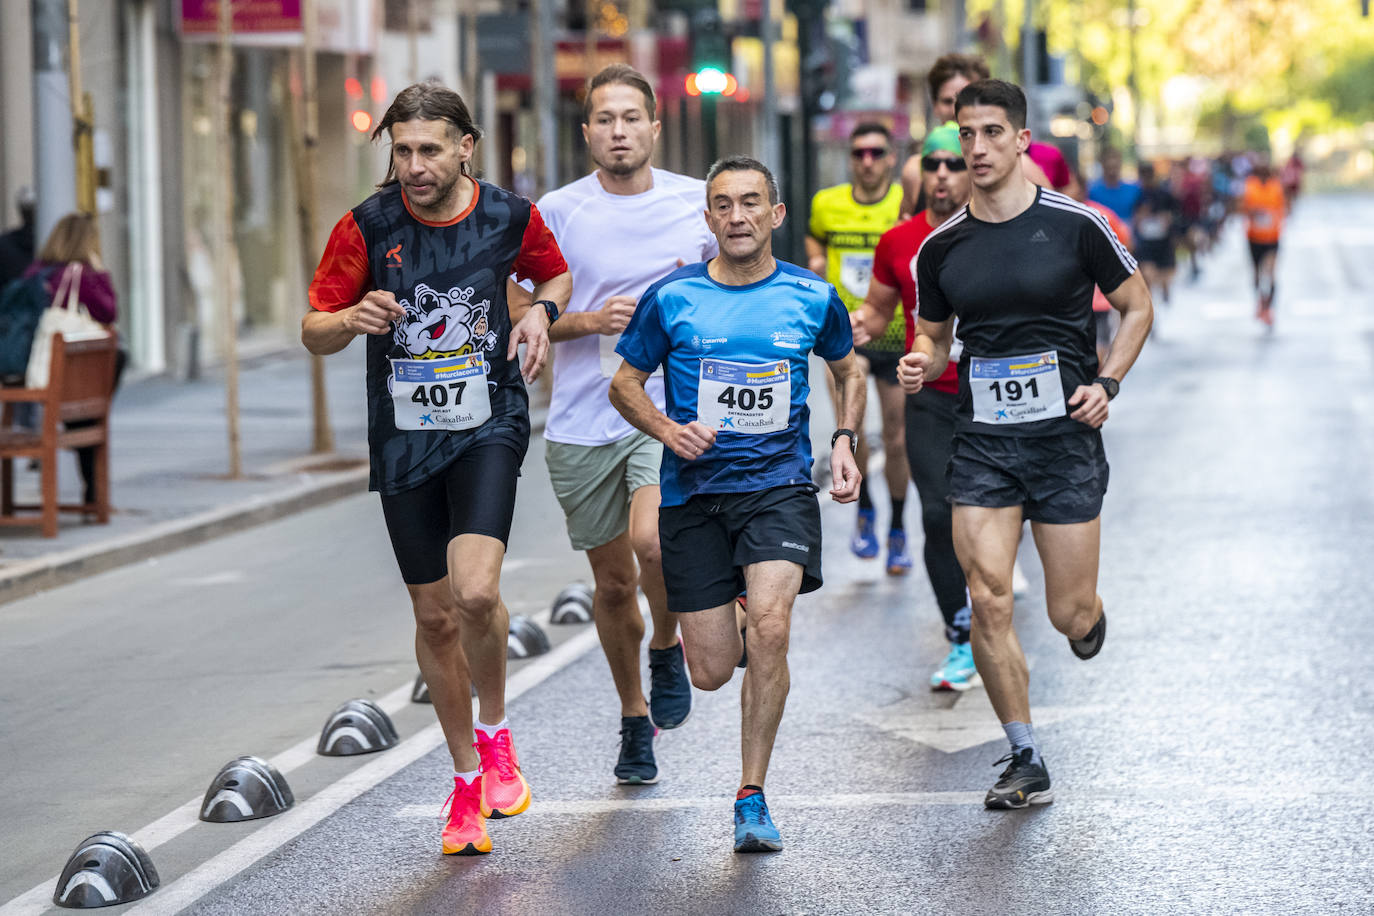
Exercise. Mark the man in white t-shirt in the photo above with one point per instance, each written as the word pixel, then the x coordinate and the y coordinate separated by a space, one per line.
pixel 621 228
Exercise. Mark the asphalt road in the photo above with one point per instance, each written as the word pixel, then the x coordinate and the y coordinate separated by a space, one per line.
pixel 1208 761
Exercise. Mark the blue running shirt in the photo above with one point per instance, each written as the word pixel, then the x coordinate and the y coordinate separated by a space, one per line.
pixel 687 318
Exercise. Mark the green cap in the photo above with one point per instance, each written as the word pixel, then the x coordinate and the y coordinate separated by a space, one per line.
pixel 944 138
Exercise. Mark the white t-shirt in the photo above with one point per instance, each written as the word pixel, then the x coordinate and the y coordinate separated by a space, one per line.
pixel 615 245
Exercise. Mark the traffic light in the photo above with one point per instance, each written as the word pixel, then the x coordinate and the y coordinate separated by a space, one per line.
pixel 712 81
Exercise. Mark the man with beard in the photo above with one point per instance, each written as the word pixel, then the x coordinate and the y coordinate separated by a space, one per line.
pixel 930 412
pixel 420 269
pixel 846 222
pixel 621 228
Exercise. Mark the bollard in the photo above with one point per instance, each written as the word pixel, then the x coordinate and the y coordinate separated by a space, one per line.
pixel 107 868
pixel 246 788
pixel 357 727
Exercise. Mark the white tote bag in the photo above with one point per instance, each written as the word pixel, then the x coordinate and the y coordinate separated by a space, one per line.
pixel 66 316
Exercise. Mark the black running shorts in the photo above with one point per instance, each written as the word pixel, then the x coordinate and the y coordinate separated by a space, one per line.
pixel 882 364
pixel 707 541
pixel 1059 480
pixel 475 494
pixel 1260 250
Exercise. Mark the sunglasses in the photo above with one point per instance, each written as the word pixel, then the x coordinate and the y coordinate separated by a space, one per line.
pixel 869 152
pixel 933 163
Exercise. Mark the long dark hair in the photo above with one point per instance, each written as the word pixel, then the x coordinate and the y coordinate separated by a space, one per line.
pixel 428 102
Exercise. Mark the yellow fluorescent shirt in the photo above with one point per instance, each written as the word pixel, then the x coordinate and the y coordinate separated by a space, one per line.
pixel 850 231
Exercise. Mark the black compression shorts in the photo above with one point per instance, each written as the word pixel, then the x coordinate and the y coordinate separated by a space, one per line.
pixel 475 494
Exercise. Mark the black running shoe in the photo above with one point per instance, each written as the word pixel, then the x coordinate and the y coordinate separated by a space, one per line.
pixel 1022 783
pixel 1091 644
pixel 636 766
pixel 670 690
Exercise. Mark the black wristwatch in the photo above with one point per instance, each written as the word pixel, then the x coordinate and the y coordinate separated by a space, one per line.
pixel 1110 385
pixel 853 439
pixel 550 309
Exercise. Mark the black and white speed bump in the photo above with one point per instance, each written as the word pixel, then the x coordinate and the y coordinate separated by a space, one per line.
pixel 107 868
pixel 357 727
pixel 246 788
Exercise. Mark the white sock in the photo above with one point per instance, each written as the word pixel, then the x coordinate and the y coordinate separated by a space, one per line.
pixel 468 778
pixel 491 730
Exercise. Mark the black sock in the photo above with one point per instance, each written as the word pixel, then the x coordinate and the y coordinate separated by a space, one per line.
pixel 898 507
pixel 865 501
pixel 748 791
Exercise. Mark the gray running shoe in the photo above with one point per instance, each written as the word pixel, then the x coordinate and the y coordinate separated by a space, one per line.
pixel 1022 783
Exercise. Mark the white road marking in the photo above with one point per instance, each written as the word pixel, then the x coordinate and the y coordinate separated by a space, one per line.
pixel 282 828
pixel 965 725
pixel 226 577
pixel 592 807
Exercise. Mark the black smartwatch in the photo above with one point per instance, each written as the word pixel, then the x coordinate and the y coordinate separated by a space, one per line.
pixel 1110 385
pixel 550 309
pixel 853 439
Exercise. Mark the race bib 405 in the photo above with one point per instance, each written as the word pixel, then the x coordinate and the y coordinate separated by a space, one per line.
pixel 752 398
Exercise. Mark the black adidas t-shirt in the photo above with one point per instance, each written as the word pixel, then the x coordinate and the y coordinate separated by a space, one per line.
pixel 451 280
pixel 1022 287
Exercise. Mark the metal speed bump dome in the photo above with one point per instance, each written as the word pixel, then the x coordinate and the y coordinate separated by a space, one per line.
pixel 357 727
pixel 246 788
pixel 526 638
pixel 107 868
pixel 573 605
pixel 420 692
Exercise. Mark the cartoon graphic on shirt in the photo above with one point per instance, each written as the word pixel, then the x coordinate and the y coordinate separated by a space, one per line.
pixel 438 325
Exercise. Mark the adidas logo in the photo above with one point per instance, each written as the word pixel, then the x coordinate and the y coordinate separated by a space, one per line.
pixel 1040 236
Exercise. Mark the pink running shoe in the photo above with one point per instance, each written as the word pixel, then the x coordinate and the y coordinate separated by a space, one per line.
pixel 504 790
pixel 465 833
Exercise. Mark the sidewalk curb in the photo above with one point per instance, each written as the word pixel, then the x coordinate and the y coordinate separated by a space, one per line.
pixel 33 576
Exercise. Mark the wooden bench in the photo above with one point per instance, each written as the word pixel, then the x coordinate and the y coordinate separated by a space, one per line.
pixel 80 387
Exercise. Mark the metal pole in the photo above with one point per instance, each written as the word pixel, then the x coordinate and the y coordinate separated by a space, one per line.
pixel 413 40
pixel 772 146
pixel 146 315
pixel 1028 50
pixel 545 96
pixel 472 90
pixel 54 157
pixel 224 235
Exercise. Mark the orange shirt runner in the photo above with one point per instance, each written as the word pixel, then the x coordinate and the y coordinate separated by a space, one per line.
pixel 1263 203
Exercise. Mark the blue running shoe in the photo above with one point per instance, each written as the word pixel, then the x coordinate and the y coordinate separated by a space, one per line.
pixel 898 560
pixel 958 671
pixel 754 830
pixel 670 690
pixel 864 543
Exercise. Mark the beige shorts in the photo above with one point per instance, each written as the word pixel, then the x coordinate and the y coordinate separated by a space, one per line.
pixel 594 484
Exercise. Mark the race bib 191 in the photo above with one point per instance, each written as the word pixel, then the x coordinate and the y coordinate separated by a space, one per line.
pixel 752 398
pixel 448 394
pixel 1016 389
